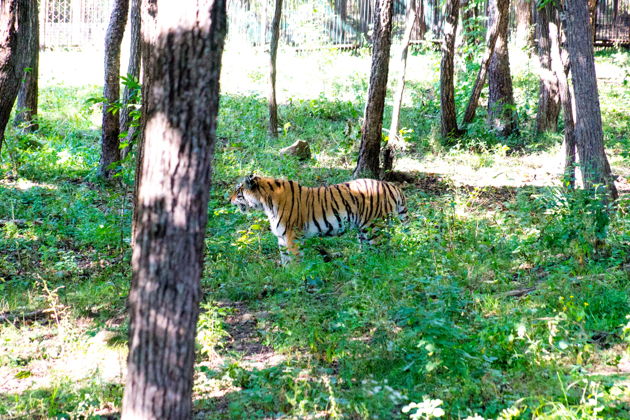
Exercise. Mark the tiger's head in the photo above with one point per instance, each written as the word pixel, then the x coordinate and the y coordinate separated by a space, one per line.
pixel 246 195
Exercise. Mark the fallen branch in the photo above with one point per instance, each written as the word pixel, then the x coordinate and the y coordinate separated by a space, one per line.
pixel 519 292
pixel 19 222
pixel 26 316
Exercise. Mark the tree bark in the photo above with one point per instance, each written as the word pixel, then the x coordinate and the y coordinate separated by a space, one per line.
pixel 372 129
pixel 110 143
pixel 470 35
pixel 524 21
pixel 588 120
pixel 182 100
pixel 14 30
pixel 560 67
pixel 448 114
pixel 273 53
pixel 148 37
pixel 420 29
pixel 395 142
pixel 480 81
pixel 27 95
pixel 548 97
pixel 501 108
pixel 133 70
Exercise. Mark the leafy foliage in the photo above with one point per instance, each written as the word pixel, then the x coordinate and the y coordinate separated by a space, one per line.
pixel 491 302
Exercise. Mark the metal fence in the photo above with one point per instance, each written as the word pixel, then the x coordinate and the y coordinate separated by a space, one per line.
pixel 613 22
pixel 318 22
pixel 73 23
pixel 82 24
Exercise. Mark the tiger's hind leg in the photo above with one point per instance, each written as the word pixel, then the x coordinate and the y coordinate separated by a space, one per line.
pixel 374 233
pixel 369 235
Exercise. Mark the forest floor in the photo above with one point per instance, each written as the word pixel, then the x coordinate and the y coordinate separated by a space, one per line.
pixel 504 296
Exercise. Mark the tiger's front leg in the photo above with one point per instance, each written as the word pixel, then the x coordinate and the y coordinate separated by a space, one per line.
pixel 287 246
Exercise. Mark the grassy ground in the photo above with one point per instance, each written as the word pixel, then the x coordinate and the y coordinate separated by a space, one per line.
pixel 504 296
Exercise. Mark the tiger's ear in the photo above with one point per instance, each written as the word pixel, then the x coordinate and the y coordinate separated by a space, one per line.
pixel 251 182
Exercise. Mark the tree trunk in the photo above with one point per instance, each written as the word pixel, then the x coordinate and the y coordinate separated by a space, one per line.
pixel 447 90
pixel 548 97
pixel 470 34
pixel 480 81
pixel 27 95
pixel 501 108
pixel 341 9
pixel 148 35
pixel 273 53
pixel 395 142
pixel 372 129
pixel 523 14
pixel 110 143
pixel 588 120
pixel 420 29
pixel 133 70
pixel 182 104
pixel 14 30
pixel 559 67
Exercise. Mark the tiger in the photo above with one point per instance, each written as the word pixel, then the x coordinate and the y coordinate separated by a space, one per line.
pixel 296 211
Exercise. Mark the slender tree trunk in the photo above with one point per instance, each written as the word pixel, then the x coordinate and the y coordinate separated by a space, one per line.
pixel 447 89
pixel 27 96
pixel 480 81
pixel 182 105
pixel 501 108
pixel 588 120
pixel 372 129
pixel 420 29
pixel 568 109
pixel 470 34
pixel 273 53
pixel 14 54
pixel 548 97
pixel 133 70
pixel 110 143
pixel 395 142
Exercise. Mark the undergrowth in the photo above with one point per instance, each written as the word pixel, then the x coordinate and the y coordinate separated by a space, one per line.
pixel 490 301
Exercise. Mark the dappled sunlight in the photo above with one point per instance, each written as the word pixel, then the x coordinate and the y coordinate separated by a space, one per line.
pixel 54 358
pixel 25 184
pixel 500 292
pixel 491 169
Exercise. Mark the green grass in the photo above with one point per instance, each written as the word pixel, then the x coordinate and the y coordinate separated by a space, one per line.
pixel 492 300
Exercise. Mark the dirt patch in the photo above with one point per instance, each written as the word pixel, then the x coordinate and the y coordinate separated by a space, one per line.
pixel 241 325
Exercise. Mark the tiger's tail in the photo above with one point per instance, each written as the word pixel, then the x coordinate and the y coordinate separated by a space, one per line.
pixel 401 206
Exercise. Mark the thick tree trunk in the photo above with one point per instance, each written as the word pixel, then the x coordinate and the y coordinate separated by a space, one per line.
pixel 448 114
pixel 182 102
pixel 14 30
pixel 27 96
pixel 148 30
pixel 548 97
pixel 133 70
pixel 372 129
pixel 273 53
pixel 588 120
pixel 395 142
pixel 480 81
pixel 110 143
pixel 501 108
pixel 524 21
